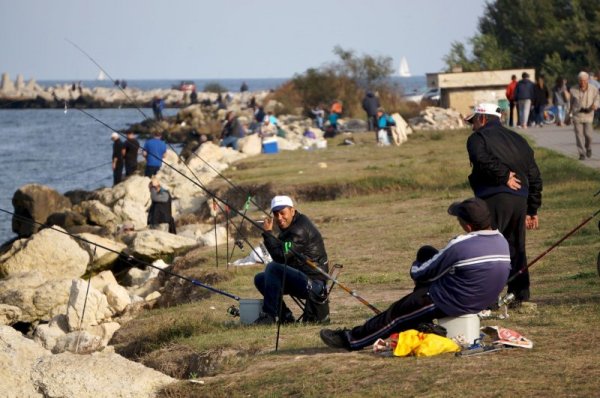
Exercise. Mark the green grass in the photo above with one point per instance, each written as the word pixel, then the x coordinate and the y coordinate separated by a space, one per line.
pixel 388 202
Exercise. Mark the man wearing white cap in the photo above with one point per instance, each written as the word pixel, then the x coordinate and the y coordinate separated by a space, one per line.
pixel 505 175
pixel 117 158
pixel 298 235
pixel 584 101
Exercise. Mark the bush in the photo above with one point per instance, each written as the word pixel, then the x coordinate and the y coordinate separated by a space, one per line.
pixel 214 87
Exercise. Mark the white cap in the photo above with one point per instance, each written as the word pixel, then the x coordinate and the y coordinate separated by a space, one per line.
pixel 279 202
pixel 114 135
pixel 485 109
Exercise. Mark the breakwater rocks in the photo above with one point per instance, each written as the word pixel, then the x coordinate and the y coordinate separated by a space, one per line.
pixel 21 94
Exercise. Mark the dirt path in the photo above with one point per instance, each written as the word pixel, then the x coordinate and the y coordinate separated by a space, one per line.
pixel 562 139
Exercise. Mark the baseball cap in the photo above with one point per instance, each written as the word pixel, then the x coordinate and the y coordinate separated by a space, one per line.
pixel 485 109
pixel 280 202
pixel 114 135
pixel 474 211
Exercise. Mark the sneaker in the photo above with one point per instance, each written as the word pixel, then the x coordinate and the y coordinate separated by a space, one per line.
pixel 588 153
pixel 264 319
pixel 581 157
pixel 335 338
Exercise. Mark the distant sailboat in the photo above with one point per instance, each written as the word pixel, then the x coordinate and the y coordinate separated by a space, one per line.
pixel 101 75
pixel 403 70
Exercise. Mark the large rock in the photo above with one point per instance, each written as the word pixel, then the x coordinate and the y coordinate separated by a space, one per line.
pixel 134 189
pixel 154 244
pixel 103 279
pixel 131 211
pixel 97 213
pixel 211 239
pixel 101 374
pixel 78 342
pixel 49 252
pixel 250 145
pixel 35 202
pixel 117 297
pixel 101 258
pixel 48 334
pixel 9 314
pixel 6 85
pixel 37 297
pixel 17 356
pixel 95 303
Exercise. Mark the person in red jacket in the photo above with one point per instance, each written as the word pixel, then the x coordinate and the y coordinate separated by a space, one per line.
pixel 510 96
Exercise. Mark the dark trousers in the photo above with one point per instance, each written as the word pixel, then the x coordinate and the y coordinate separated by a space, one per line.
pixel 151 170
pixel 508 216
pixel 372 122
pixel 512 107
pixel 297 284
pixel 404 314
pixel 118 174
pixel 130 168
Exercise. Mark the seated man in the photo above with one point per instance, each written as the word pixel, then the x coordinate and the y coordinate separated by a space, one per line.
pixel 160 213
pixel 465 277
pixel 297 234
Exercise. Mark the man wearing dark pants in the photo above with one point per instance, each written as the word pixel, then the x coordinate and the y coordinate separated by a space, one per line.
pixel 117 159
pixel 298 235
pixel 465 277
pixel 505 175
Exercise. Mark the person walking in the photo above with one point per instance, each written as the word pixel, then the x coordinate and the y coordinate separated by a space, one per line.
pixel 154 152
pixel 298 235
pixel 117 158
pixel 370 104
pixel 131 147
pixel 540 101
pixel 524 94
pixel 505 174
pixel 463 278
pixel 584 101
pixel 560 99
pixel 512 102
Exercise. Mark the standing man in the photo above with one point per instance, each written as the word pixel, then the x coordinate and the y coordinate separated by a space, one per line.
pixel 157 107
pixel 130 153
pixel 370 103
pixel 155 150
pixel 297 235
pixel 510 96
pixel 584 101
pixel 463 278
pixel 524 94
pixel 505 175
pixel 117 159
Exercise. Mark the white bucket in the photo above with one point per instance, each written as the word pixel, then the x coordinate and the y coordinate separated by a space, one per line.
pixel 250 310
pixel 466 325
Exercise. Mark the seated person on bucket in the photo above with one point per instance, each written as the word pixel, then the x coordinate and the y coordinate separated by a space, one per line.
pixel 160 213
pixel 465 277
pixel 297 234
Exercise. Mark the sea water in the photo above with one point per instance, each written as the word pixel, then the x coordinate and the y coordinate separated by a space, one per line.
pixel 69 150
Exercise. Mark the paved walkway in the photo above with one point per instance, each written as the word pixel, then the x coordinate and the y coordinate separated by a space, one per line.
pixel 562 139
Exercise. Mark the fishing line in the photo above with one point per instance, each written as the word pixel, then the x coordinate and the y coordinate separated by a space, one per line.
pixel 127 258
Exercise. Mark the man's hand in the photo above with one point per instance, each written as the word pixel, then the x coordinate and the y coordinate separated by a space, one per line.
pixel 532 222
pixel 268 225
pixel 513 182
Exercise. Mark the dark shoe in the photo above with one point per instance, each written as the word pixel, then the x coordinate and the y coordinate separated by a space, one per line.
pixel 588 153
pixel 581 157
pixel 264 319
pixel 288 317
pixel 335 338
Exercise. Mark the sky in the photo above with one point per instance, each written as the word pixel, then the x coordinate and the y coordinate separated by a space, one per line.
pixel 179 39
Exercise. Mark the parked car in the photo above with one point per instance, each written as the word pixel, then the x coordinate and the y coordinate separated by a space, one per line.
pixel 185 85
pixel 431 97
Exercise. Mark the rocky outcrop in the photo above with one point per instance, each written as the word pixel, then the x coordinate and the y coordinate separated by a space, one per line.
pixel 101 258
pixel 154 244
pixel 35 202
pixel 9 314
pixel 433 118
pixel 51 253
pixel 96 306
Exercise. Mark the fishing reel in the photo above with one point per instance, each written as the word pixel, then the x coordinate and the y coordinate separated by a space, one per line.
pixel 233 311
pixel 239 243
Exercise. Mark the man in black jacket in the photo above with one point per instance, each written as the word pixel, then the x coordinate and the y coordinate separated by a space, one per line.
pixel 298 235
pixel 370 103
pixel 505 175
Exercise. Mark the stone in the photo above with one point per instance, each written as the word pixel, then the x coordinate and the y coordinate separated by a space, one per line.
pixel 48 334
pixel 103 279
pixel 51 253
pixel 101 374
pixel 105 331
pixel 117 297
pixel 209 238
pixel 152 296
pixel 35 202
pixel 250 145
pixel 96 307
pixel 131 211
pixel 17 356
pixel 37 297
pixel 9 314
pixel 155 244
pixel 97 213
pixel 78 342
pixel 101 258
pixel 6 85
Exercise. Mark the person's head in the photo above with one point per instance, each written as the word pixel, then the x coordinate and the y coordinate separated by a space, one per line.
pixel 540 81
pixel 130 134
pixel 154 183
pixel 525 75
pixel 380 111
pixel 584 80
pixel 283 211
pixel 513 78
pixel 114 136
pixel 483 114
pixel 157 134
pixel 473 214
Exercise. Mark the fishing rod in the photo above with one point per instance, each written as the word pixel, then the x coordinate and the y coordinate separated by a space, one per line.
pixel 127 258
pixel 148 118
pixel 535 260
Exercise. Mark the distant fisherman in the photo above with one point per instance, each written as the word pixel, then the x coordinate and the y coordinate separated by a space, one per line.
pixel 155 150
pixel 117 158
pixel 131 148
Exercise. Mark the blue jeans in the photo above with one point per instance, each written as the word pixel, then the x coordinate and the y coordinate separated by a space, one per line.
pixel 230 141
pixel 297 284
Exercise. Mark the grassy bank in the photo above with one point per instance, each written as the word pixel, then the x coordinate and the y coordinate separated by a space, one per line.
pixel 375 207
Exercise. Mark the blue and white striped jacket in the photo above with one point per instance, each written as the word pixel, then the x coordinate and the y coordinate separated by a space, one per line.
pixel 468 274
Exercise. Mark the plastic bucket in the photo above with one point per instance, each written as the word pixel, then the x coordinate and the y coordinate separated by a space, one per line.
pixel 250 310
pixel 466 325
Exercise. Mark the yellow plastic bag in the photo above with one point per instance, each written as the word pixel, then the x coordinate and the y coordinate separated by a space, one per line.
pixel 413 342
